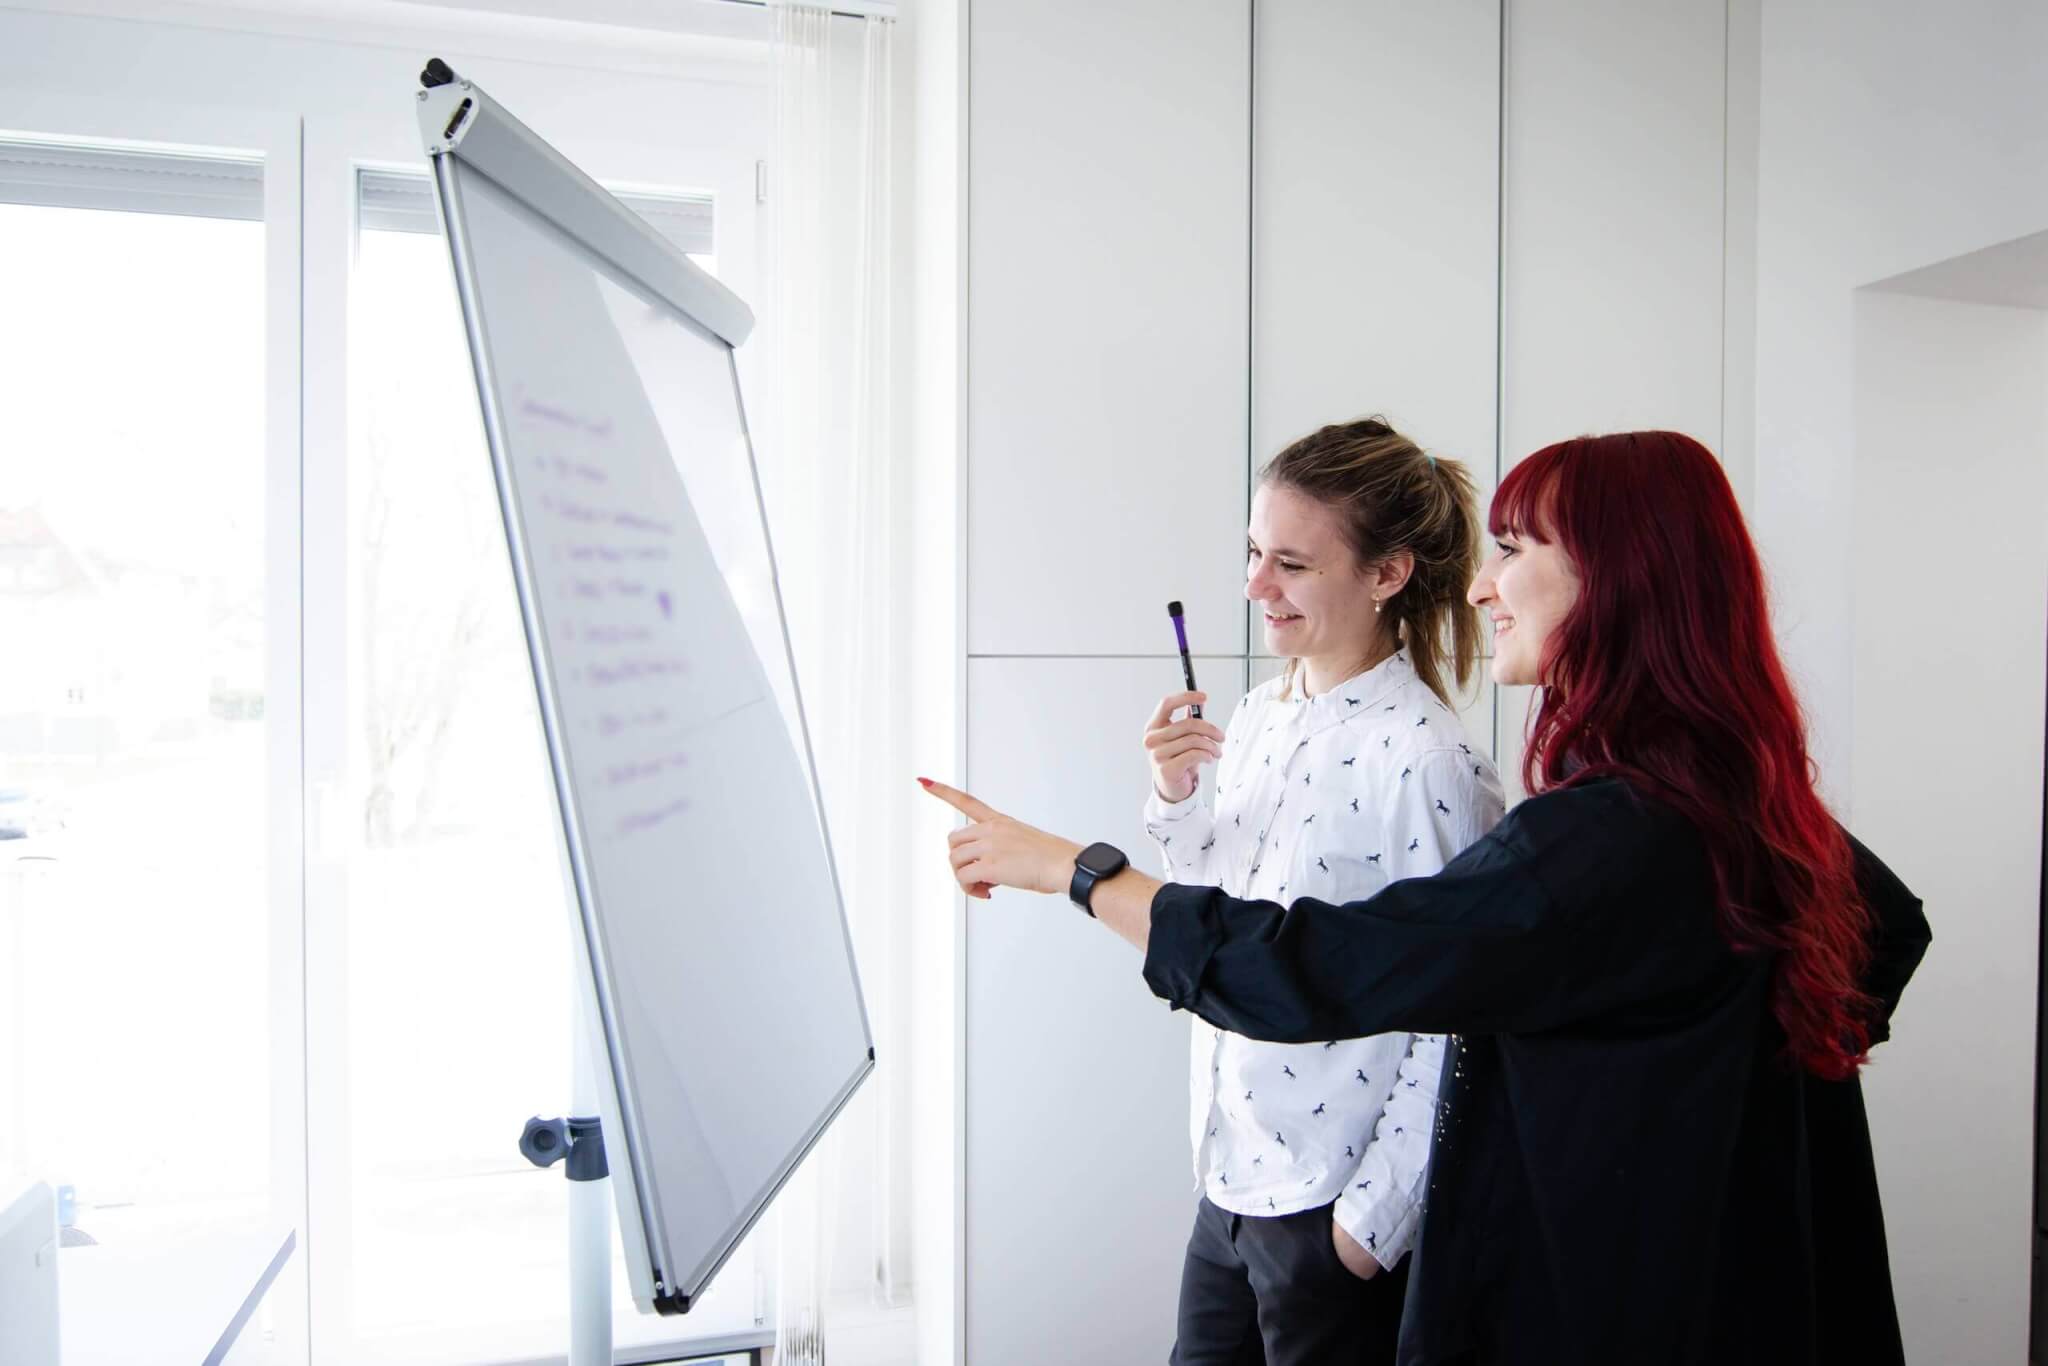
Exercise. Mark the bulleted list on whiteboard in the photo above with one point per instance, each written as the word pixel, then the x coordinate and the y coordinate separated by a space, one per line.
pixel 631 586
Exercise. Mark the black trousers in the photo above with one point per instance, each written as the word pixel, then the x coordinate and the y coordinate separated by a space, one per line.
pixel 1271 1292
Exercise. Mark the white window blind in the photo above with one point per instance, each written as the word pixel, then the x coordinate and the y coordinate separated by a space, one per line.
pixel 82 177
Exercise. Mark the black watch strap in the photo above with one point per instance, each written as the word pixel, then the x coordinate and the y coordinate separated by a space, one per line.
pixel 1091 865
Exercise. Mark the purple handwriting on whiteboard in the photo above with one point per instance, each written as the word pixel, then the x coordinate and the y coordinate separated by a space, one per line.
pixel 573 511
pixel 617 587
pixel 614 554
pixel 617 635
pixel 634 671
pixel 640 770
pixel 633 521
pixel 623 520
pixel 562 465
pixel 612 723
pixel 560 416
pixel 647 820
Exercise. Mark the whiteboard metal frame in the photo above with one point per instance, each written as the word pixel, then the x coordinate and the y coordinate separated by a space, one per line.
pixel 459 120
pixel 467 132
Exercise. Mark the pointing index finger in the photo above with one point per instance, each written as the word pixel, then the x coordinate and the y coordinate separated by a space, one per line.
pixel 970 807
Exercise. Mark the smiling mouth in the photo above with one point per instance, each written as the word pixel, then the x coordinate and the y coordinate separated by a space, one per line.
pixel 1502 625
pixel 1276 619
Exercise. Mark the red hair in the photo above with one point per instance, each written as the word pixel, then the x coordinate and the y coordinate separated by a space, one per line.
pixel 1665 673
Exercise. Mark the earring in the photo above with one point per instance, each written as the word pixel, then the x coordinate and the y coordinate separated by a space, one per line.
pixel 1376 604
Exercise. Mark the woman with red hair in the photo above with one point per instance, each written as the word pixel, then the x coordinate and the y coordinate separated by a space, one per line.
pixel 1664 968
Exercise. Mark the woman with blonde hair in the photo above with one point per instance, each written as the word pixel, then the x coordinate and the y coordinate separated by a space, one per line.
pixel 1347 773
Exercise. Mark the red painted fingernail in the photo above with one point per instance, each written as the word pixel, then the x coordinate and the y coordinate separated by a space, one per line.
pixel 926 781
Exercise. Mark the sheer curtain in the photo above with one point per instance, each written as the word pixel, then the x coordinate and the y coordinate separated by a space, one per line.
pixel 832 474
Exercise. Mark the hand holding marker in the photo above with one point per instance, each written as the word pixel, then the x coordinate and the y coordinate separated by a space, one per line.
pixel 1178 749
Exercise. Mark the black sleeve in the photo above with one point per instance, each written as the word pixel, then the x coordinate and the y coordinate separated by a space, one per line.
pixel 1580 902
pixel 1899 935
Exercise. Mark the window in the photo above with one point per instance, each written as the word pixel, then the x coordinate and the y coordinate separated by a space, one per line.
pixel 169 827
pixel 136 825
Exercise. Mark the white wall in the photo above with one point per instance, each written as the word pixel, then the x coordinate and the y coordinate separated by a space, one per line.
pixel 1376 223
pixel 1613 220
pixel 1892 137
pixel 1950 543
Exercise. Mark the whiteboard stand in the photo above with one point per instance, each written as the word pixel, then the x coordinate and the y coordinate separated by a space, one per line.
pixel 578 1143
pixel 590 1211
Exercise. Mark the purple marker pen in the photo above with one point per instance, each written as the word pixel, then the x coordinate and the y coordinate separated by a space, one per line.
pixel 1187 666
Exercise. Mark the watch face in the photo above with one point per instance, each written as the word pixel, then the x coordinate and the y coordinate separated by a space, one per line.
pixel 1103 860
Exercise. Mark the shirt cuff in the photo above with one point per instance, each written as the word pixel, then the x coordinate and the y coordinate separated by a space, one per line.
pixel 1185 934
pixel 1159 811
pixel 1383 1225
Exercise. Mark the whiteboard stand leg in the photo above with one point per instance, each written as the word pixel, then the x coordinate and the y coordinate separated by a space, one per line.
pixel 581 1141
pixel 590 1272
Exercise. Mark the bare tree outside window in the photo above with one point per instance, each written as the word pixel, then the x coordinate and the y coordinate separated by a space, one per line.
pixel 431 589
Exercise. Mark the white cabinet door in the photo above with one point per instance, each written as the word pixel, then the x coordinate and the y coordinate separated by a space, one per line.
pixel 1613 224
pixel 1376 212
pixel 1080 1191
pixel 1107 284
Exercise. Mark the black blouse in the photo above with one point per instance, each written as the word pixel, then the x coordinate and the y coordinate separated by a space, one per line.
pixel 1625 1169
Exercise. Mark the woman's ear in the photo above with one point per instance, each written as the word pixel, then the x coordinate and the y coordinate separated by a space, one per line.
pixel 1390 575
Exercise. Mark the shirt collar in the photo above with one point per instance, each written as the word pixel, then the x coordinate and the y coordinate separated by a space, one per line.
pixel 1356 694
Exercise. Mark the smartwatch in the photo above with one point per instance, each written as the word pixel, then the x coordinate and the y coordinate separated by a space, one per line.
pixel 1091 865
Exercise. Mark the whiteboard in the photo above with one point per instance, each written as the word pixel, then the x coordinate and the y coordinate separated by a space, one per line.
pixel 708 913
